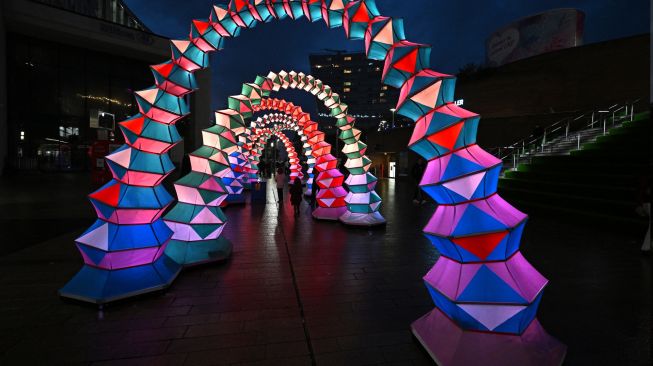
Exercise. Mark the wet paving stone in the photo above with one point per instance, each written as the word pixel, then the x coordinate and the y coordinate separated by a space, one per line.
pixel 299 292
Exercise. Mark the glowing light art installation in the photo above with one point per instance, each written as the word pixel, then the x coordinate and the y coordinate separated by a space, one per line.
pixel 328 208
pixel 486 294
pixel 362 202
pixel 282 122
pixel 123 250
pixel 295 169
pixel 197 220
pixel 331 194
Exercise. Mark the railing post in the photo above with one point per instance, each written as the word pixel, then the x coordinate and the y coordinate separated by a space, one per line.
pixel 578 143
pixel 604 124
pixel 626 111
pixel 567 130
pixel 592 120
pixel 514 161
pixel 632 108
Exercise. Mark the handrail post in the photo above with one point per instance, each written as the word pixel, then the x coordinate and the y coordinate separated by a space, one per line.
pixel 592 120
pixel 604 124
pixel 578 143
pixel 626 111
pixel 567 131
pixel 632 108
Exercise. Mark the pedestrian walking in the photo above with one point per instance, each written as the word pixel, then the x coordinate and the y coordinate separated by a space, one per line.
pixel 296 193
pixel 417 172
pixel 314 194
pixel 280 178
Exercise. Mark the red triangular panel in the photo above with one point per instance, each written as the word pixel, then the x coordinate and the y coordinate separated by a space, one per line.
pixel 407 63
pixel 447 137
pixel 134 125
pixel 481 245
pixel 109 195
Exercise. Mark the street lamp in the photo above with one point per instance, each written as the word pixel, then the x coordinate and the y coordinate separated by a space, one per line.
pixel 393 110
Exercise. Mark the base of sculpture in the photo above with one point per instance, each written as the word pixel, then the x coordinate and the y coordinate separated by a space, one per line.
pixel 100 286
pixel 449 345
pixel 199 252
pixel 328 213
pixel 362 219
pixel 235 199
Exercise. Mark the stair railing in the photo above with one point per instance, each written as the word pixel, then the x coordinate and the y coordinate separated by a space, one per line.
pixel 523 150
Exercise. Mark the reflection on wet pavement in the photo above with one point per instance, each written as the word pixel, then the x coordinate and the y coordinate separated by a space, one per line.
pixel 296 290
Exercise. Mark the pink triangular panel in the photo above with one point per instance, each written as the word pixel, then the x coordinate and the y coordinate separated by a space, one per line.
pixel 491 316
pixel 465 186
pixel 98 238
pixel 121 157
pixel 429 95
pixel 206 217
pixel 385 34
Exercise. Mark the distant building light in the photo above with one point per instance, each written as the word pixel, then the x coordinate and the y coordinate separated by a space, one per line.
pixel 22 135
pixel 459 102
pixel 346 90
pixel 318 66
pixel 385 87
pixel 346 71
pixel 381 94
pixel 347 58
pixel 347 83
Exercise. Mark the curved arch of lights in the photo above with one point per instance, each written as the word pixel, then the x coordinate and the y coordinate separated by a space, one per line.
pixel 293 158
pixel 481 281
pixel 362 202
pixel 331 194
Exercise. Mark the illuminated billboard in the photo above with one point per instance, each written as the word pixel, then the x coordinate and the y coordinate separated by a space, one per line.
pixel 537 34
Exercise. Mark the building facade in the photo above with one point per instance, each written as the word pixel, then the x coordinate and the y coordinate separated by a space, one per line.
pixel 358 82
pixel 69 67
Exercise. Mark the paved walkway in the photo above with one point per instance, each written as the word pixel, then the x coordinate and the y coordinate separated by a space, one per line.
pixel 302 292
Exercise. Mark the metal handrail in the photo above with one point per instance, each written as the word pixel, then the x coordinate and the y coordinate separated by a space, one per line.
pixel 572 128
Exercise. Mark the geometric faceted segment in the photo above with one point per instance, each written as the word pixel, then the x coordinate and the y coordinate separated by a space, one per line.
pixel 123 251
pixel 197 220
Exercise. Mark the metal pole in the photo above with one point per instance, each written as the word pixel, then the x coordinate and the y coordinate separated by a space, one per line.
pixel 514 162
pixel 567 130
pixel 604 124
pixel 592 120
pixel 578 143
pixel 632 108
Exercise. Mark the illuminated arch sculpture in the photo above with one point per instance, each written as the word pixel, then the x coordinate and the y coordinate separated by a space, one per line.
pixel 282 122
pixel 331 193
pixel 295 168
pixel 481 281
pixel 362 202
pixel 256 146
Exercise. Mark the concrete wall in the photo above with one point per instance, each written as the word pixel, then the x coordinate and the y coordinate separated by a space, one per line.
pixel 544 89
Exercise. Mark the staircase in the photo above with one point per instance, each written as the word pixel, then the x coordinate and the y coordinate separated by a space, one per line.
pixel 595 184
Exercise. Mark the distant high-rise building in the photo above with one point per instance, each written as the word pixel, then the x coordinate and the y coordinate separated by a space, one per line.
pixel 358 82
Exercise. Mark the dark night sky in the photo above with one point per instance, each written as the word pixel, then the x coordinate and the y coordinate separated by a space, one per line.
pixel 456 29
